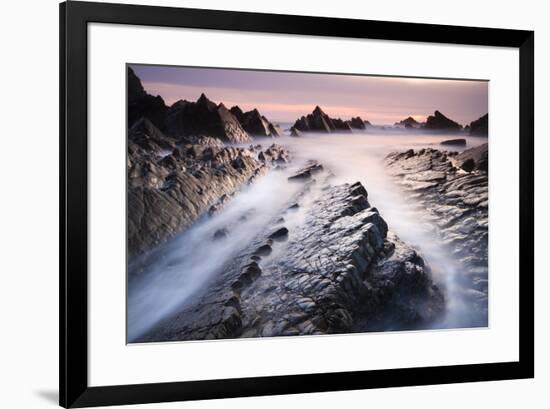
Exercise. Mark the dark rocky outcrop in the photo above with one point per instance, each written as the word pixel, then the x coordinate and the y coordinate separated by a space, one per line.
pixel 357 123
pixel 453 189
pixel 408 122
pixel 185 120
pixel 318 121
pixel 480 127
pixel 141 104
pixel 204 117
pixel 340 271
pixel 454 142
pixel 341 125
pixel 473 159
pixel 170 186
pixel 254 123
pixel 438 121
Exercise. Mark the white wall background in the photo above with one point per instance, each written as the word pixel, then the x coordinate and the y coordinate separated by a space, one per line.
pixel 28 204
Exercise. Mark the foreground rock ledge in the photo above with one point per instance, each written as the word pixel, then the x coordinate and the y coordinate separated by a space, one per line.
pixel 340 272
pixel 453 188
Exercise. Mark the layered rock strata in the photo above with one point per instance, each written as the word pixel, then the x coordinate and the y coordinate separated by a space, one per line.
pixel 171 185
pixel 339 270
pixel 453 188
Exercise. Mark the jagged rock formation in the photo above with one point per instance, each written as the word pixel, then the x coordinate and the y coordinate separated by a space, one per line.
pixel 357 123
pixel 254 123
pixel 141 104
pixel 170 186
pixel 453 188
pixel 340 271
pixel 340 125
pixel 438 121
pixel 480 127
pixel 408 122
pixel 454 142
pixel 318 121
pixel 185 120
pixel 204 117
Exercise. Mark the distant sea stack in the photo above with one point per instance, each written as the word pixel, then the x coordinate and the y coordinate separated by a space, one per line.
pixel 480 127
pixel 454 142
pixel 318 121
pixel 254 123
pixel 408 123
pixel 438 121
pixel 358 123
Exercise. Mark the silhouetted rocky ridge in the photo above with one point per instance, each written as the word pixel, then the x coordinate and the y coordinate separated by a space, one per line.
pixel 255 123
pixel 438 121
pixel 204 117
pixel 141 104
pixel 319 121
pixel 408 122
pixel 480 127
pixel 178 165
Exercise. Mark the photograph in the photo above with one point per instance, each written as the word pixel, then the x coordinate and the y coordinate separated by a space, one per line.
pixel 247 204
pixel 274 203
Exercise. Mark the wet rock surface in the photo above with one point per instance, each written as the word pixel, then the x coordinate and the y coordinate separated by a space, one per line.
pixel 453 188
pixel 170 185
pixel 179 166
pixel 306 173
pixel 335 269
pixel 473 159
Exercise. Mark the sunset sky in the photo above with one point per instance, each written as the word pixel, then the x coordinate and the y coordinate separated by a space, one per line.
pixel 285 96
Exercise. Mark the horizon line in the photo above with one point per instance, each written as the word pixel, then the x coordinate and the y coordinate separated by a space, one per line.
pixel 229 106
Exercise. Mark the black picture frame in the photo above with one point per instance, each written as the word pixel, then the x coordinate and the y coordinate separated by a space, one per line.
pixel 73 349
